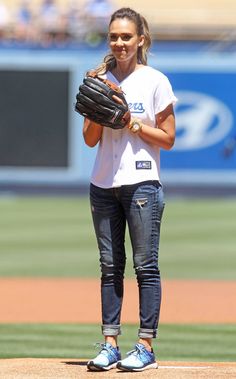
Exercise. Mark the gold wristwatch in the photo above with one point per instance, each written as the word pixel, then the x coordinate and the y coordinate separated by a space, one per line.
pixel 135 126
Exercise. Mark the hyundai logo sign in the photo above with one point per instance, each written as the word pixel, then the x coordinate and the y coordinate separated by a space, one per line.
pixel 201 120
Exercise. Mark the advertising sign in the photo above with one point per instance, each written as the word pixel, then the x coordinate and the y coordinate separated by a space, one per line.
pixel 205 147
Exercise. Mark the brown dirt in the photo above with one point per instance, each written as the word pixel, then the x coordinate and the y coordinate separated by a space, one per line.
pixel 78 300
pixel 75 369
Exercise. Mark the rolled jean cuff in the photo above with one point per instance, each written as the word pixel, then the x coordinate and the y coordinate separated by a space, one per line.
pixel 147 333
pixel 111 330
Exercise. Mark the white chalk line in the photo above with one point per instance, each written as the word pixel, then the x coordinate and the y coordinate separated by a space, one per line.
pixel 185 367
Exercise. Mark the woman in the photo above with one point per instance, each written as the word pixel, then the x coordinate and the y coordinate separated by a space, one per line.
pixel 125 188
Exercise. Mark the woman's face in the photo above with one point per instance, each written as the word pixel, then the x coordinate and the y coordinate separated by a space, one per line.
pixel 124 40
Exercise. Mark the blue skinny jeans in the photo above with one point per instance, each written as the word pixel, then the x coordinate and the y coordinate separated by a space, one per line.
pixel 140 206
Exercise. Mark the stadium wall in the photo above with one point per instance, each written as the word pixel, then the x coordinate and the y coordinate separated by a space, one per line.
pixel 41 138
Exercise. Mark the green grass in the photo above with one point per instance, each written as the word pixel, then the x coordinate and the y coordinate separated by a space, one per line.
pixel 53 237
pixel 198 239
pixel 176 342
pixel 47 237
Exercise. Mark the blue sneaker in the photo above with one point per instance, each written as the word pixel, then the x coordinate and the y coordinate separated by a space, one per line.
pixel 106 359
pixel 139 359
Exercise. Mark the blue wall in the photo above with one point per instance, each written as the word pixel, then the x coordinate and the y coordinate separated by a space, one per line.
pixel 205 148
pixel 204 83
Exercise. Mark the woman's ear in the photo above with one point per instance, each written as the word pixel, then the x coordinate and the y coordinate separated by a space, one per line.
pixel 141 41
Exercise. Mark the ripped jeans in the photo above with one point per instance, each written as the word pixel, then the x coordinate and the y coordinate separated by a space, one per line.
pixel 140 206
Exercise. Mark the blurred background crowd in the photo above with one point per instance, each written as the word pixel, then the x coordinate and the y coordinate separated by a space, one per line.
pixel 47 22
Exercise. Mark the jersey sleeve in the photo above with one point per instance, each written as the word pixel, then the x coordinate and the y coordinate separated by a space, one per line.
pixel 164 95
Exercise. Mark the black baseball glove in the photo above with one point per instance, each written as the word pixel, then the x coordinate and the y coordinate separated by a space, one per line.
pixel 103 102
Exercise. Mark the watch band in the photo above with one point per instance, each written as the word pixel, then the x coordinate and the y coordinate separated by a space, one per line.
pixel 135 126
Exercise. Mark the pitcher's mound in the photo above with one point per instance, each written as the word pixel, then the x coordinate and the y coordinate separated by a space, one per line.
pixel 74 368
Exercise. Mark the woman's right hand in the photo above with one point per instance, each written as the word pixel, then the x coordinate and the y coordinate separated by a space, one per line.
pixel 92 132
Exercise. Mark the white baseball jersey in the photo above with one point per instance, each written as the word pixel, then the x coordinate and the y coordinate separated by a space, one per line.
pixel 123 157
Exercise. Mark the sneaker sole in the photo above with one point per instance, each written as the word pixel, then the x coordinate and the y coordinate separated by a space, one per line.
pixel 150 366
pixel 94 367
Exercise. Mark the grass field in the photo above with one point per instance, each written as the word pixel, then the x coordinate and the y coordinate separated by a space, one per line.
pixel 53 237
pixel 176 342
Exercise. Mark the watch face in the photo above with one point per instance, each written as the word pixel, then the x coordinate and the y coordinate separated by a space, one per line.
pixel 136 126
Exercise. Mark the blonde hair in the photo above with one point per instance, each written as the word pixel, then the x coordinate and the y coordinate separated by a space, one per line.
pixel 109 61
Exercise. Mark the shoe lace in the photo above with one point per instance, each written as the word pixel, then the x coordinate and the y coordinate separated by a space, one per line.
pixel 137 351
pixel 101 346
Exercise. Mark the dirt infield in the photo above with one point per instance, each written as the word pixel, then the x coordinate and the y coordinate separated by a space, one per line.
pixel 75 369
pixel 78 300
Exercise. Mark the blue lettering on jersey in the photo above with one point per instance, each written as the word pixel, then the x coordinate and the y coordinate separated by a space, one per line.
pixel 136 107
